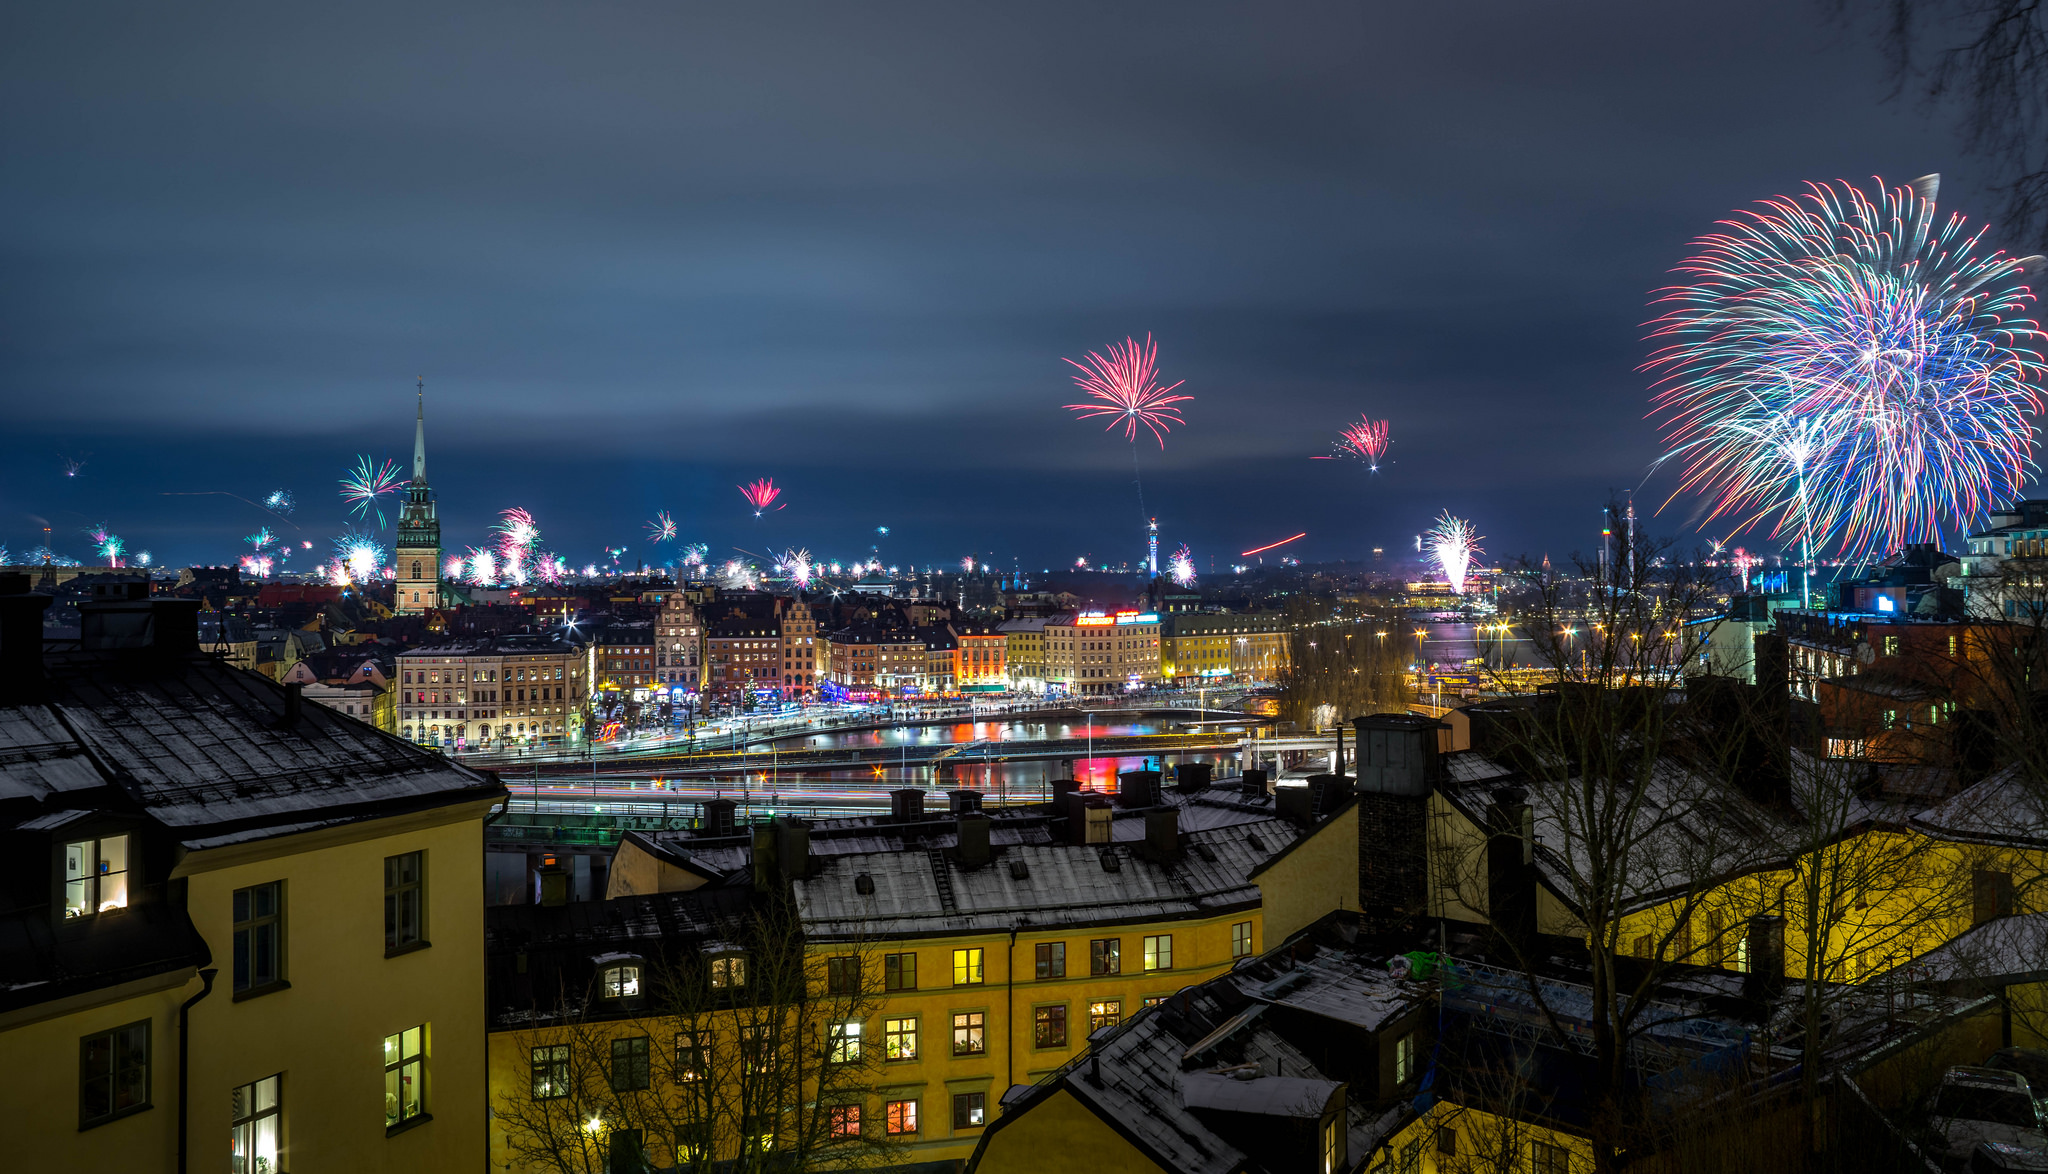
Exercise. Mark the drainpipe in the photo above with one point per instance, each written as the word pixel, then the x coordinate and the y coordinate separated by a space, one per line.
pixel 185 1058
pixel 1010 1004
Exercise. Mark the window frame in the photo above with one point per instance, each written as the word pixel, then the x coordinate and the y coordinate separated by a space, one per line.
pixel 895 1033
pixel 1050 959
pixel 1241 943
pixel 550 1072
pixel 842 1042
pixel 837 980
pixel 611 987
pixel 968 966
pixel 975 1102
pixel 396 894
pixel 975 1026
pixel 1105 957
pixel 94 877
pixel 395 1067
pixel 246 928
pixel 252 1121
pixel 728 972
pixel 692 1057
pixel 638 1057
pixel 113 1071
pixel 899 1118
pixel 1046 1015
pixel 1114 1017
pixel 1158 952
pixel 843 1121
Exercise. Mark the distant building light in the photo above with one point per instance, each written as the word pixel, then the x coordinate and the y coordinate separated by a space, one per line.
pixel 1884 603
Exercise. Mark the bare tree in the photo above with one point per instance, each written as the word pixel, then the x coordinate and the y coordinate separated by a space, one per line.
pixel 1343 665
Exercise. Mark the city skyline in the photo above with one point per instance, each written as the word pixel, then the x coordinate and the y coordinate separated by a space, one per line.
pixel 868 294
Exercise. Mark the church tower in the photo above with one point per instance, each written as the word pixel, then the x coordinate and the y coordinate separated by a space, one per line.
pixel 419 531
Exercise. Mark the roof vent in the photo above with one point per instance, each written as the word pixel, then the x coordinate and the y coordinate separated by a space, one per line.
pixel 1257 845
pixel 1110 862
pixel 1019 870
pixel 864 885
pixel 1206 852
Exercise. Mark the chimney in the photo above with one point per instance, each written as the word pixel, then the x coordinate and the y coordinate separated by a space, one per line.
pixel 1511 867
pixel 970 841
pixel 1162 832
pixel 1088 818
pixel 1061 788
pixel 1137 788
pixel 1253 784
pixel 1192 776
pixel 765 842
pixel 962 801
pixel 294 706
pixel 1766 977
pixel 1771 782
pixel 1397 770
pixel 1337 763
pixel 554 882
pixel 1295 803
pixel 792 847
pixel 906 805
pixel 21 635
pixel 718 817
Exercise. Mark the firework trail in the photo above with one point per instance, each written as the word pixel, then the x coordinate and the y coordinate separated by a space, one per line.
pixel 1851 367
pixel 1366 441
pixel 1181 567
pixel 760 494
pixel 358 556
pixel 280 501
pixel 366 486
pixel 1125 387
pixel 107 546
pixel 662 528
pixel 73 464
pixel 1452 543
pixel 260 539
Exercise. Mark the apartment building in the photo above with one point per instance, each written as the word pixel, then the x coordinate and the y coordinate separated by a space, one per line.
pixel 490 691
pixel 1094 653
pixel 1195 646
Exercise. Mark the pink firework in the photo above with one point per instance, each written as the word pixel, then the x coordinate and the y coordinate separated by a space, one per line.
pixel 1124 386
pixel 761 494
pixel 1366 440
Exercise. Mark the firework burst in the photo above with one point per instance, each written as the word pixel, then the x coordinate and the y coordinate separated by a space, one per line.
pixel 1124 386
pixel 1181 567
pixel 1849 366
pixel 695 553
pixel 738 576
pixel 1452 543
pixel 366 486
pixel 142 557
pixel 798 564
pixel 760 494
pixel 281 501
pixel 256 566
pixel 1365 440
pixel 662 528
pixel 358 555
pixel 260 539
pixel 107 546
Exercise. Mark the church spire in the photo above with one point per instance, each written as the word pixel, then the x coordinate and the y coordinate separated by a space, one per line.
pixel 419 437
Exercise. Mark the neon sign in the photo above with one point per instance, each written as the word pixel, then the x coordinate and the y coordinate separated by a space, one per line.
pixel 1132 617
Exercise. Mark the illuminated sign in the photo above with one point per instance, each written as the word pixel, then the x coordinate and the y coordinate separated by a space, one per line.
pixel 1132 617
pixel 1094 621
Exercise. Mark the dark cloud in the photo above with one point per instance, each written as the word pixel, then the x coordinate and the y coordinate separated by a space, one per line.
pixel 644 251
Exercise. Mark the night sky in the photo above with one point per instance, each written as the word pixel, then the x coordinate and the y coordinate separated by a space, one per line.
pixel 641 253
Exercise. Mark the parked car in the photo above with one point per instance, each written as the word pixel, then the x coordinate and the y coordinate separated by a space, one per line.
pixel 1975 1105
pixel 1998 1157
pixel 2031 1063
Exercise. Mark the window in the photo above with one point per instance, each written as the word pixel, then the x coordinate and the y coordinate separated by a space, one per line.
pixel 259 936
pixel 1333 1145
pixel 1411 1158
pixel 95 876
pixel 844 1045
pixel 899 1038
pixel 1241 940
pixel 900 1116
pixel 842 975
pixel 253 1120
pixel 1404 1059
pixel 844 1121
pixel 693 1057
pixel 969 1109
pixel 1107 1013
pixel 1105 956
pixel 1049 1027
pixel 757 1049
pixel 632 1065
pixel 113 1074
pixel 1990 895
pixel 1447 1142
pixel 550 1072
pixel 1154 1000
pixel 729 971
pixel 1158 952
pixel 1052 959
pixel 693 1142
pixel 404 901
pixel 405 1085
pixel 967 967
pixel 968 1039
pixel 1545 1158
pixel 621 982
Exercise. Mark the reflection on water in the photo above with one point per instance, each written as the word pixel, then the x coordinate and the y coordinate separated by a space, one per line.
pixel 971 731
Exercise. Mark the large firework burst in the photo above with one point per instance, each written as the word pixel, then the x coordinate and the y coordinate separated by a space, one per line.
pixel 1181 567
pixel 761 494
pixel 1365 440
pixel 106 544
pixel 1124 386
pixel 365 487
pixel 358 555
pixel 1452 542
pixel 662 528
pixel 1849 367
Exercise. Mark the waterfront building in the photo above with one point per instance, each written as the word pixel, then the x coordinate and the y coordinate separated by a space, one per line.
pixel 1197 646
pixel 257 924
pixel 799 626
pixel 981 662
pixel 417 553
pixel 1024 652
pixel 742 658
pixel 678 643
pixel 626 656
pixel 1094 653
pixel 484 692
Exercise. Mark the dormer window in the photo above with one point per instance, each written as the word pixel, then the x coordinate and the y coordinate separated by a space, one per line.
pixel 95 876
pixel 621 982
pixel 729 972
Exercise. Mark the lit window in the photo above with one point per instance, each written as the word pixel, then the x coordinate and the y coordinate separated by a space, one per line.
pixel 405 1086
pixel 729 971
pixel 757 1049
pixel 844 1045
pixel 969 1109
pixel 968 1033
pixel 113 1074
pixel 1107 1013
pixel 254 1118
pixel 1049 1027
pixel 1404 1059
pixel 899 1038
pixel 95 876
pixel 900 1116
pixel 1333 1145
pixel 967 966
pixel 621 982
pixel 550 1072
pixel 259 936
pixel 1159 952
pixel 693 1057
pixel 844 1121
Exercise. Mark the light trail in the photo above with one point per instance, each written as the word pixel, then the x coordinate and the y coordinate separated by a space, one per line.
pixel 1269 546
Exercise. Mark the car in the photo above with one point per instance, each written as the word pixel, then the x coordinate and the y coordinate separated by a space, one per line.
pixel 1976 1105
pixel 1999 1157
pixel 2031 1063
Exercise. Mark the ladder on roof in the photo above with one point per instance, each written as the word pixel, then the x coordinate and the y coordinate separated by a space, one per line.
pixel 942 878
